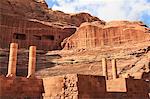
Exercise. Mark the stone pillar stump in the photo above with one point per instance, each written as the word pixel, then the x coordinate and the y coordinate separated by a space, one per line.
pixel 114 69
pixel 32 61
pixel 12 60
pixel 104 67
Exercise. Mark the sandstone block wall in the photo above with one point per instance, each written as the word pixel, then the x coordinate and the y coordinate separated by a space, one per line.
pixel 27 32
pixel 120 85
pixel 53 87
pixel 137 88
pixel 61 87
pixel 73 86
pixel 76 86
pixel 20 88
pixel 130 88
pixel 91 87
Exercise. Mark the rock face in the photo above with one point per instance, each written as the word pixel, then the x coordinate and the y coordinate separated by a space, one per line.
pixel 30 22
pixel 38 9
pixel 97 34
pixel 28 32
pixel 80 18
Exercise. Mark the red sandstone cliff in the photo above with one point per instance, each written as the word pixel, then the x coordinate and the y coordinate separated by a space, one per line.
pixel 97 34
pixel 31 22
pixel 38 9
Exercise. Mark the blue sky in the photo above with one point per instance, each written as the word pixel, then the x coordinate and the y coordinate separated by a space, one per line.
pixel 133 10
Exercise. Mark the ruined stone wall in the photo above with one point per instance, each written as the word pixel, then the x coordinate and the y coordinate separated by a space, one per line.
pixel 26 32
pixel 91 35
pixel 77 86
pixel 20 88
pixel 137 88
pixel 73 86
pixel 91 87
pixel 129 87
pixel 61 87
pixel 120 85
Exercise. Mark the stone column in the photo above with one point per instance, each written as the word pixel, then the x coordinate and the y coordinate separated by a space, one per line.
pixel 12 60
pixel 104 68
pixel 114 69
pixel 32 61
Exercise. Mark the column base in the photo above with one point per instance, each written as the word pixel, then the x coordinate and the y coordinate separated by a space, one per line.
pixel 31 76
pixel 10 75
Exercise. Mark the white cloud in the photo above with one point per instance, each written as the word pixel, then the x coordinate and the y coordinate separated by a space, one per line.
pixel 106 9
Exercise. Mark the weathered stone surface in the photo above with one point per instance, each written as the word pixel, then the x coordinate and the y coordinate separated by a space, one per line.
pixel 27 32
pixel 30 22
pixel 91 87
pixel 12 60
pixel 104 68
pixel 92 35
pixel 32 61
pixel 38 9
pixel 77 86
pixel 20 87
pixel 120 85
pixel 114 69
pixel 134 88
pixel 72 86
pixel 80 18
pixel 54 86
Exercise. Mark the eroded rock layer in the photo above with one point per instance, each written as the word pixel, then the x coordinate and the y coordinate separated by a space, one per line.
pixel 96 34
pixel 31 22
pixel 38 9
pixel 28 32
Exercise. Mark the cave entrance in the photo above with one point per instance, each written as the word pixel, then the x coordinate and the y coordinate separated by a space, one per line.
pixel 48 37
pixel 36 37
pixel 19 36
